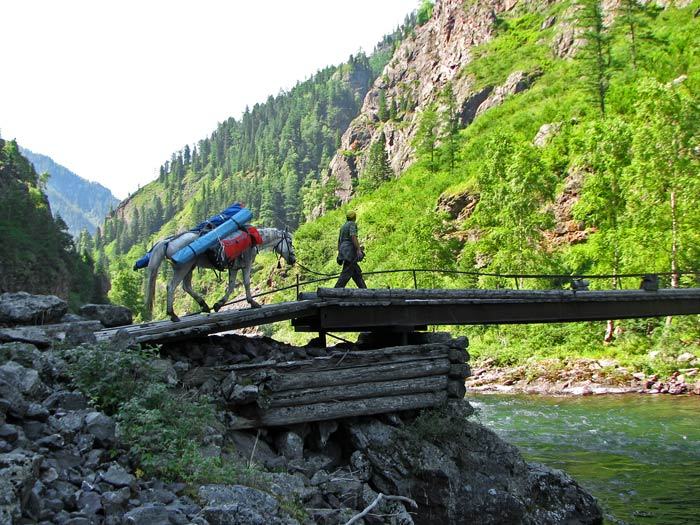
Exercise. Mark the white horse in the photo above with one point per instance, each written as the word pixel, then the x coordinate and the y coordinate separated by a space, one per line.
pixel 279 240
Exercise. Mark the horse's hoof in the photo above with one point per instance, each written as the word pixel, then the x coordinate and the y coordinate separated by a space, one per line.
pixel 217 306
pixel 254 304
pixel 205 308
pixel 174 318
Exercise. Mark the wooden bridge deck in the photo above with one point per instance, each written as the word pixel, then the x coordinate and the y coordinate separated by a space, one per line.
pixel 349 310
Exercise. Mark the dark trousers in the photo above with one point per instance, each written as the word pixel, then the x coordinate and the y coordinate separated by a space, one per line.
pixel 351 270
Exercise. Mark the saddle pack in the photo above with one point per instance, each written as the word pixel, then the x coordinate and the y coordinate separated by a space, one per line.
pixel 229 249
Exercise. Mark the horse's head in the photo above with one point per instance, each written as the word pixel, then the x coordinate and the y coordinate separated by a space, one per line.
pixel 285 249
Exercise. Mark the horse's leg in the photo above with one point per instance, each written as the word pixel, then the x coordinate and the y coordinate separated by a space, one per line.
pixel 187 285
pixel 178 275
pixel 232 272
pixel 246 282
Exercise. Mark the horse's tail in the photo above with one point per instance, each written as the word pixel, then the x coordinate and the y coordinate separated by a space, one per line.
pixel 157 256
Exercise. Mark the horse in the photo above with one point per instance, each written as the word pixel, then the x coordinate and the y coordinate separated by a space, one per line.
pixel 280 241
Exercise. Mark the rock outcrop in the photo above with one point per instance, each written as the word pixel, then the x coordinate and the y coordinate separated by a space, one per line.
pixel 420 69
pixel 63 461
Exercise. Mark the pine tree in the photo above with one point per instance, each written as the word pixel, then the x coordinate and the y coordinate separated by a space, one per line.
pixel 426 137
pixel 449 127
pixel 377 168
pixel 594 56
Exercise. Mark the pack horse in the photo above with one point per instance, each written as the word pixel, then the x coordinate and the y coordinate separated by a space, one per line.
pixel 280 241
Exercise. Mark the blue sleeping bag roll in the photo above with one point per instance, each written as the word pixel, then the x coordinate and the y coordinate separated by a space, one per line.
pixel 209 239
pixel 218 220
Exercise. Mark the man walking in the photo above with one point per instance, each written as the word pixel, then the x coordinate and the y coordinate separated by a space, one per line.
pixel 349 253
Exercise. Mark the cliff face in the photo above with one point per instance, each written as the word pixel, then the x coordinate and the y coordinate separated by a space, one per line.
pixel 419 70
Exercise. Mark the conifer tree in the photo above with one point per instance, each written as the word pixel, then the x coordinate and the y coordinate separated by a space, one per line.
pixel 594 56
pixel 377 168
pixel 425 141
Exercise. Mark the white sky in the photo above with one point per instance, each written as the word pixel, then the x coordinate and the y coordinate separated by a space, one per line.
pixel 110 89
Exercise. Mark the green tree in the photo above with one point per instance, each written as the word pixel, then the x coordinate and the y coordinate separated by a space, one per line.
pixel 127 290
pixel 449 117
pixel 594 56
pixel 425 140
pixel 514 186
pixel 425 11
pixel 664 183
pixel 377 168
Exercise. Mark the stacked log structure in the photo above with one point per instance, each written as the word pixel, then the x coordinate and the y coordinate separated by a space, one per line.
pixel 343 383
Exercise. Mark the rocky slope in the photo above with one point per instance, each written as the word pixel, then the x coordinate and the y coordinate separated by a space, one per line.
pixel 64 461
pixel 419 70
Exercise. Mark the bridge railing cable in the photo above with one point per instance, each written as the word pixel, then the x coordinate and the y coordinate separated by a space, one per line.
pixel 561 278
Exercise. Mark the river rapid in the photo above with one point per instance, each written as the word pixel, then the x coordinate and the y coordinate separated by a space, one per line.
pixel 638 454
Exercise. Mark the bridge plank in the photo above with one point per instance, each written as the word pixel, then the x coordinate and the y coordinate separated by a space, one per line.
pixel 336 410
pixel 366 390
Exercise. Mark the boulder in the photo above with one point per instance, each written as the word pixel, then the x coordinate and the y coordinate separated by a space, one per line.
pixel 467 474
pixel 19 470
pixel 290 445
pixel 26 380
pixel 23 308
pixel 148 514
pixel 102 427
pixel 117 476
pixel 66 400
pixel 108 314
pixel 236 504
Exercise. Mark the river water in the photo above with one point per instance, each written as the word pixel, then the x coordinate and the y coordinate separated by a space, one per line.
pixel 638 454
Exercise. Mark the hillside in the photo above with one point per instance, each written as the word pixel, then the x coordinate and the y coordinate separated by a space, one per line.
pixel 519 170
pixel 526 138
pixel 82 204
pixel 38 254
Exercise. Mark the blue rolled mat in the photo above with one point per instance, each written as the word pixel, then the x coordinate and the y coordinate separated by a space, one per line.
pixel 209 239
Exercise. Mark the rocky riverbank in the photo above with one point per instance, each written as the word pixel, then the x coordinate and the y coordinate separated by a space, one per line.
pixel 119 435
pixel 578 376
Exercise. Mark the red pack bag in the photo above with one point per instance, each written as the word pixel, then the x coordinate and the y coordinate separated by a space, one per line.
pixel 239 242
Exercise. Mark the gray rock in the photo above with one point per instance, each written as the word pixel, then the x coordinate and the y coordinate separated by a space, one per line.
pixel 243 394
pixel 23 308
pixel 80 333
pixel 53 442
pixel 9 433
pixel 102 427
pixel 164 370
pixel 290 445
pixel 25 379
pixel 245 443
pixel 117 476
pixel 288 486
pixel 66 400
pixel 11 400
pixel 149 514
pixel 228 384
pixel 36 411
pixel 25 354
pixel 108 314
pixel 19 471
pixel 71 423
pixel 474 477
pixel 89 502
pixel 360 466
pixel 28 334
pixel 237 505
pixel 114 501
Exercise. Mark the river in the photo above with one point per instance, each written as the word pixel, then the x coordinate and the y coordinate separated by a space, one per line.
pixel 638 454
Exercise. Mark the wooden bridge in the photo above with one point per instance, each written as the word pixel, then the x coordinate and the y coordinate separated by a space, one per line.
pixel 401 310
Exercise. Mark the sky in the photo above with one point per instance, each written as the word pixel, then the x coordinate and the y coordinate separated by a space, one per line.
pixel 110 89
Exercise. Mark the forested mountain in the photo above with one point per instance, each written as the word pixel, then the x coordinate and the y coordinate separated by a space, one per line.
pixel 38 254
pixel 273 158
pixel 83 205
pixel 558 138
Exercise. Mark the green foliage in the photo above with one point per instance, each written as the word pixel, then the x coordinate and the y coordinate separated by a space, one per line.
pixel 594 56
pixel 38 254
pixel 425 11
pixel 127 290
pixel 109 377
pixel 377 168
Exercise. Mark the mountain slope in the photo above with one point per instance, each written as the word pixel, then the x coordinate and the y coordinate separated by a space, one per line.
pixel 80 203
pixel 38 255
